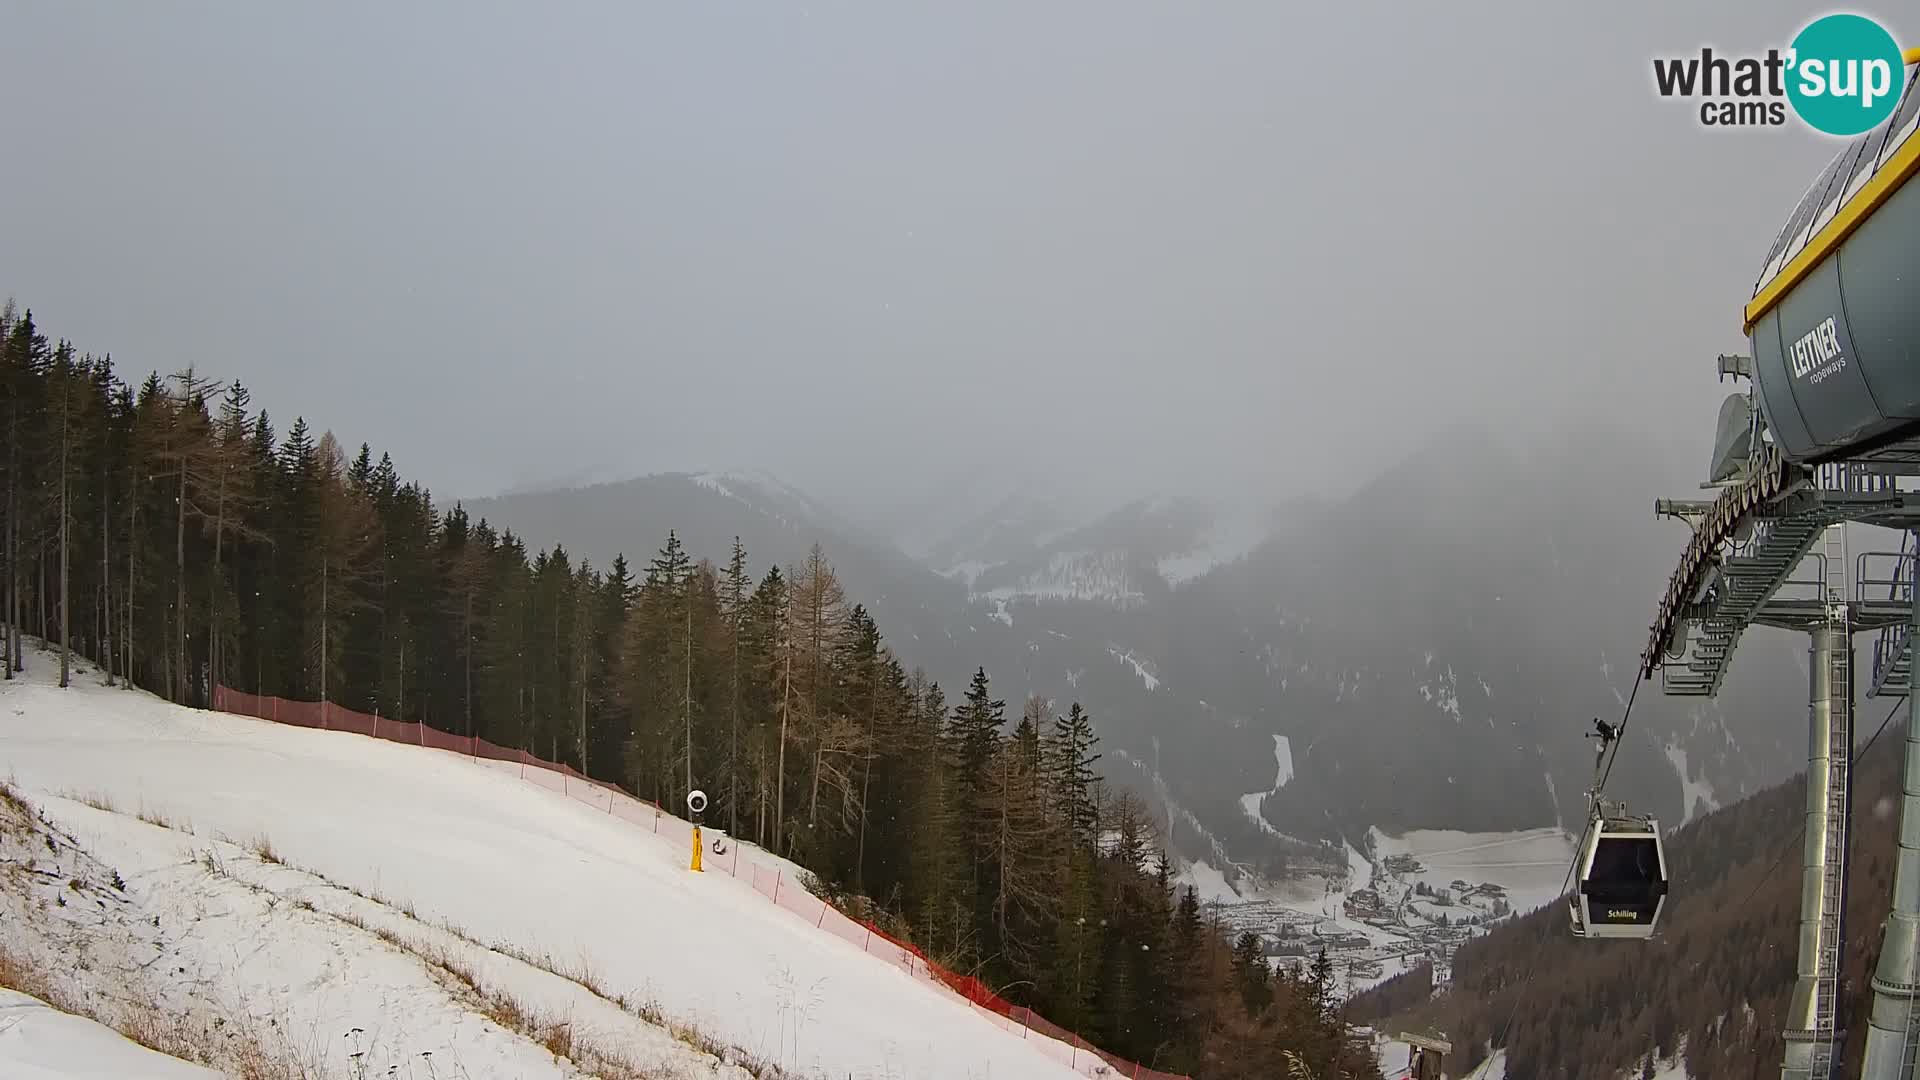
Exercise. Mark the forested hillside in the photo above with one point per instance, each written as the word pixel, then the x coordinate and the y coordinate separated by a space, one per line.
pixel 1718 976
pixel 169 531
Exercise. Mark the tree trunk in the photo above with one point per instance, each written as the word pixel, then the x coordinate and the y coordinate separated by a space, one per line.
pixel 180 590
pixel 133 545
pixel 13 483
pixel 323 639
pixel 733 730
pixel 213 587
pixel 686 700
pixel 66 609
pixel 106 579
pixel 786 710
pixel 469 658
pixel 866 781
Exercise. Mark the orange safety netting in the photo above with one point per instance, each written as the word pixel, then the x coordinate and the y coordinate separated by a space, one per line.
pixel 1050 1039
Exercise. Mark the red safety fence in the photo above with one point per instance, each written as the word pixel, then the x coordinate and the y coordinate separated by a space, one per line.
pixel 769 881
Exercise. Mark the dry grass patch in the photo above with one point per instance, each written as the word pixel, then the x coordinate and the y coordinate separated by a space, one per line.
pixel 222 1046
pixel 12 800
pixel 159 818
pixel 262 847
pixel 97 800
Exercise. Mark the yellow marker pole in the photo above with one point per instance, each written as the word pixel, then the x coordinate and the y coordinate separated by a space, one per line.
pixel 696 849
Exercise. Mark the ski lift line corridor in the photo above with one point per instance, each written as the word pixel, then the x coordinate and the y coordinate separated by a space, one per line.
pixel 1621 859
pixel 1588 846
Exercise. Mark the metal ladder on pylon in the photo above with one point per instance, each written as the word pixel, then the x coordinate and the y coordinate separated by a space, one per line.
pixel 1833 885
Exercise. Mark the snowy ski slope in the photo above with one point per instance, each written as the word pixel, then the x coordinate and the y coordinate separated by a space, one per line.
pixel 502 860
pixel 39 1042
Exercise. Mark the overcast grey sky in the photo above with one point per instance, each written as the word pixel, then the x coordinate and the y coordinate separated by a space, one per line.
pixel 870 246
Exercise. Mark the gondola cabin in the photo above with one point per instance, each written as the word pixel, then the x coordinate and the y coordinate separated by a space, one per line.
pixel 1623 880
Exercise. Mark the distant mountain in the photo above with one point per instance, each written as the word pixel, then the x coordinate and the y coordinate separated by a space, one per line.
pixel 1428 650
pixel 776 523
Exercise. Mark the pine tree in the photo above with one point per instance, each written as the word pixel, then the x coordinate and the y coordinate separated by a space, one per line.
pixel 136 516
pixel 1072 760
pixel 734 595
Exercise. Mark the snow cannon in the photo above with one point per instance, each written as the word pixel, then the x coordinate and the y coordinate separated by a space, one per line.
pixel 697 805
pixel 1833 323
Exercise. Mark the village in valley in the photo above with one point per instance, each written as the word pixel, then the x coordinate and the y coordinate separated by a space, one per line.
pixel 1374 920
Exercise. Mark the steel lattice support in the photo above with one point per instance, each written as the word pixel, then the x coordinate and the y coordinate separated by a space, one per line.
pixel 1813 1032
pixel 1893 1032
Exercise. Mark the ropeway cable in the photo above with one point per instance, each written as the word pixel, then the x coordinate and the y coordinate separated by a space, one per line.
pixel 1575 861
pixel 1802 831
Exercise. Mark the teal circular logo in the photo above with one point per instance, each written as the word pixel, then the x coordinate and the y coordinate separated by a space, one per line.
pixel 1844 74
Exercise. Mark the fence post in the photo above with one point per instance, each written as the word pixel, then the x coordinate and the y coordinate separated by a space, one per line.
pixel 376 723
pixel 822 920
pixel 776 885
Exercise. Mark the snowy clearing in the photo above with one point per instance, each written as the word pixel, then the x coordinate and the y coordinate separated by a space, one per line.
pixel 446 841
pixel 1231 536
pixel 1531 865
pixel 39 1042
pixel 1100 576
pixel 1692 792
pixel 1147 677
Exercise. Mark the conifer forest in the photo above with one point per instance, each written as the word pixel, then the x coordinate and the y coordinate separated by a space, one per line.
pixel 174 532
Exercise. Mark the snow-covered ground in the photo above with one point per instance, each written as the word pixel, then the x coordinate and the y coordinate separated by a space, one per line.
pixel 1692 791
pixel 1146 675
pixel 1077 575
pixel 1231 536
pixel 1531 866
pixel 412 841
pixel 39 1042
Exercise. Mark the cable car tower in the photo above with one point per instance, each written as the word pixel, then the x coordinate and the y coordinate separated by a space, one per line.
pixel 1828 433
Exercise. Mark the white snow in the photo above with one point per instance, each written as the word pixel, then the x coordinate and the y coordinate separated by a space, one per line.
pixel 967 572
pixel 1000 612
pixel 1359 870
pixel 1494 1068
pixel 715 483
pixel 1209 884
pixel 39 1042
pixel 1231 536
pixel 1444 694
pixel 1140 669
pixel 472 846
pixel 1691 791
pixel 1530 866
pixel 1283 772
pixel 224 945
pixel 1077 575
pixel 1283 761
pixel 1674 1068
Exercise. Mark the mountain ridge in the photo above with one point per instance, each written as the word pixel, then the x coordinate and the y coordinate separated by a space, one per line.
pixel 1431 645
